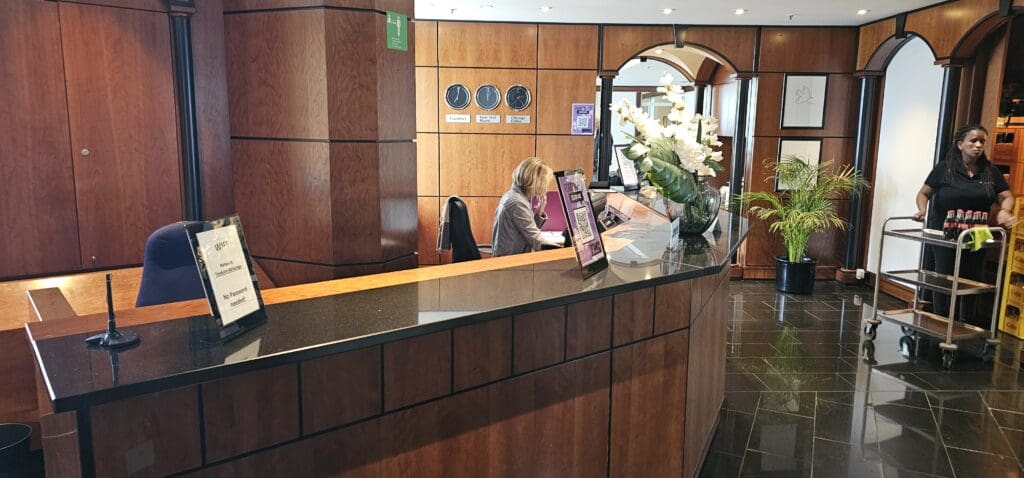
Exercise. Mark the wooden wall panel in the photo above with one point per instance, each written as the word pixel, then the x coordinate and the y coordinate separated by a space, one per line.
pixel 871 37
pixel 397 202
pixel 400 6
pixel 481 215
pixel 566 152
pixel 250 411
pixel 150 5
pixel 633 316
pixel 40 228
pixel 672 306
pixel 121 108
pixel 427 164
pixel 705 380
pixel 647 407
pixel 840 107
pixel 487 45
pixel 427 95
pixel 539 339
pixel 567 46
pixel 211 89
pixel 169 442
pixel 483 353
pixel 417 369
pixel 481 165
pixel 352 61
pixel 557 90
pixel 588 327
pixel 357 231
pixel 278 74
pixel 284 186
pixel 476 77
pixel 944 25
pixel 819 50
pixel 428 211
pixel 340 389
pixel 426 43
pixel 723 101
pixel 623 42
pixel 396 87
pixel 736 45
pixel 18 399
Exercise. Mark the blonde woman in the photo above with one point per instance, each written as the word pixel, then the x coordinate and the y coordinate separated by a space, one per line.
pixel 516 223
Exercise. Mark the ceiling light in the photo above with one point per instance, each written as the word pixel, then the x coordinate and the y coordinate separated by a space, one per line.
pixel 545 8
pixel 667 11
pixel 862 12
pixel 659 51
pixel 487 5
pixel 740 11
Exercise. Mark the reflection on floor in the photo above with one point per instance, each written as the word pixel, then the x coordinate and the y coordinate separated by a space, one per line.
pixel 801 401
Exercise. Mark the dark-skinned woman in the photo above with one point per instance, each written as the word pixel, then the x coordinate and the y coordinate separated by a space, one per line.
pixel 964 180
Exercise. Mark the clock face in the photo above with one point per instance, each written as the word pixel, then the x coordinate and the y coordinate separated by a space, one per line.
pixel 518 97
pixel 457 96
pixel 488 97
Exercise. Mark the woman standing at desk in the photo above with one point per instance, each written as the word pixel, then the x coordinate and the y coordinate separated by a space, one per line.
pixel 965 180
pixel 516 223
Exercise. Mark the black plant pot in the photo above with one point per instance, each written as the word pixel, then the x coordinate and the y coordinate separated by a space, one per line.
pixel 794 277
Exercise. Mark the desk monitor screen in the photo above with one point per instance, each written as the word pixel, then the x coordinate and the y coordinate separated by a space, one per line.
pixel 579 213
pixel 627 170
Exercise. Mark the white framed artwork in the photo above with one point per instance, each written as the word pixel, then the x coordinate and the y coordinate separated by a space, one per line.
pixel 808 150
pixel 803 101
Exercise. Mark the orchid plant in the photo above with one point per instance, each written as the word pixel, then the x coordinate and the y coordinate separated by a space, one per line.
pixel 675 155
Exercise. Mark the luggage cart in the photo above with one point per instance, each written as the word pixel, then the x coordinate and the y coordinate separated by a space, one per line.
pixel 916 321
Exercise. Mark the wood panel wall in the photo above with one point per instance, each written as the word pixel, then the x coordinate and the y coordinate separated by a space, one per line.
pixel 543 393
pixel 831 51
pixel 474 161
pixel 322 128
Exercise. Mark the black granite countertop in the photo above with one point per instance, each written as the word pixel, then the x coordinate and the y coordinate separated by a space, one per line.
pixel 175 353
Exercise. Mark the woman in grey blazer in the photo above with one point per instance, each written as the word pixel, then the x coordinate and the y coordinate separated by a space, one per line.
pixel 516 223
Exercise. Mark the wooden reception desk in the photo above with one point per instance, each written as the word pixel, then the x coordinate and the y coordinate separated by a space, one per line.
pixel 514 366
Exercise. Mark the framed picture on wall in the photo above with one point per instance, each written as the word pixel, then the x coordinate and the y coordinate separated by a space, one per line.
pixel 808 150
pixel 803 101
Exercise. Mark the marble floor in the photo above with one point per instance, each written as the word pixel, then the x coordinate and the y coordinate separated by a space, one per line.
pixel 802 400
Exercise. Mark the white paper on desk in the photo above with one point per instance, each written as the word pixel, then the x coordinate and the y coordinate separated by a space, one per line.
pixel 228 272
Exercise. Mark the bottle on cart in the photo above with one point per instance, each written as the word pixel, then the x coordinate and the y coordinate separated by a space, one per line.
pixel 984 219
pixel 978 219
pixel 947 225
pixel 958 224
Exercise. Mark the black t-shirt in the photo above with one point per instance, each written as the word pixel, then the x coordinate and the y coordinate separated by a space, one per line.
pixel 963 192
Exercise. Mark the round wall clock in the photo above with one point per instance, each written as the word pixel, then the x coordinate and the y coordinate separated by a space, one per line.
pixel 457 96
pixel 488 97
pixel 518 97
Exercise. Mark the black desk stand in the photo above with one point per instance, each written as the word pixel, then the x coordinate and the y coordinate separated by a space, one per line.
pixel 112 338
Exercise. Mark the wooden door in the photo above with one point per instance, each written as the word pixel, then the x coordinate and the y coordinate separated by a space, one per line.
pixel 123 128
pixel 38 224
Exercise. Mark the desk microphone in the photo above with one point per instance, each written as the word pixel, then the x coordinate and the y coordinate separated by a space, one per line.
pixel 112 338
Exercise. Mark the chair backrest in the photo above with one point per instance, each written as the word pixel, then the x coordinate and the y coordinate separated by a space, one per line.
pixel 464 247
pixel 169 271
pixel 556 216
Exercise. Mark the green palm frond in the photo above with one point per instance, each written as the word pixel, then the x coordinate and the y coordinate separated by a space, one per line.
pixel 808 206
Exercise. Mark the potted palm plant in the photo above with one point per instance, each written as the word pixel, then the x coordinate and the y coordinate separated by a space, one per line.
pixel 804 208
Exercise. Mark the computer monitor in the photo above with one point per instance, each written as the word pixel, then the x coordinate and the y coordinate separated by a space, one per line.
pixel 627 170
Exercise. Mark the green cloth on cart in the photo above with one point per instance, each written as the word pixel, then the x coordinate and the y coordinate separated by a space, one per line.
pixel 979 235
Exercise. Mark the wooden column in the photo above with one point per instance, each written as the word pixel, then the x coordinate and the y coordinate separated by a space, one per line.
pixel 322 127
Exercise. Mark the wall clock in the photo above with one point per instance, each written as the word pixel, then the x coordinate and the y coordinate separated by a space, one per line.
pixel 518 97
pixel 457 96
pixel 488 97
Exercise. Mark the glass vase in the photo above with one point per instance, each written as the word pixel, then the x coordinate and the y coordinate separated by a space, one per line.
pixel 695 216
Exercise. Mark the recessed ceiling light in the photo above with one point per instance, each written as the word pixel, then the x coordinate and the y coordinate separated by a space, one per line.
pixel 487 5
pixel 659 51
pixel 862 12
pixel 545 8
pixel 667 11
pixel 740 11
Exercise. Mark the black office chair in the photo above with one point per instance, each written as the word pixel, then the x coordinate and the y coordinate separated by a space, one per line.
pixel 455 233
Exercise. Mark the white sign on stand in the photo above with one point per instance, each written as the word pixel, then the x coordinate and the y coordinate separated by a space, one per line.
pixel 673 233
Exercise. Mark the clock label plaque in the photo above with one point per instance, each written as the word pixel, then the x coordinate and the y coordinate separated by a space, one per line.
pixel 517 119
pixel 488 119
pixel 456 118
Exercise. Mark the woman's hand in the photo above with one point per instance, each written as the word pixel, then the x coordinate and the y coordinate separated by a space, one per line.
pixel 1006 219
pixel 919 216
pixel 542 204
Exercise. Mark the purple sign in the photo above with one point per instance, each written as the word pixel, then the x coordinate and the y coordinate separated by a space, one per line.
pixel 582 118
pixel 580 217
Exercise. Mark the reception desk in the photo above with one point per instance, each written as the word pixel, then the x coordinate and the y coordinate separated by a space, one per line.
pixel 513 366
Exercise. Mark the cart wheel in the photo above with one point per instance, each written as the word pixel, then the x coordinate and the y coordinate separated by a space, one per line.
pixel 988 354
pixel 947 359
pixel 868 352
pixel 907 330
pixel 870 331
pixel 907 346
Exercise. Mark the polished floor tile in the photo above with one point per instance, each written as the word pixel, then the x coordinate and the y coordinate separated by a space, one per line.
pixel 804 398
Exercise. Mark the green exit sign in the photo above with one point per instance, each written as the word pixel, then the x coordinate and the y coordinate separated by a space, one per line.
pixel 398 31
